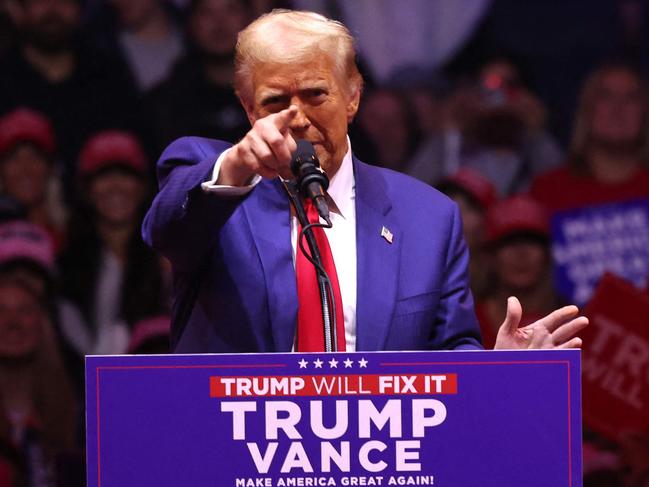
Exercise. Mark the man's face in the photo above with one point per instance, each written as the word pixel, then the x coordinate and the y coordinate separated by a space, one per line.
pixel 50 24
pixel 325 104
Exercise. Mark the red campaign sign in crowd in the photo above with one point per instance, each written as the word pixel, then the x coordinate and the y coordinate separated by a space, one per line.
pixel 616 359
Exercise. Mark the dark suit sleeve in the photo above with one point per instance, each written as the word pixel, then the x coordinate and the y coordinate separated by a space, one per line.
pixel 183 221
pixel 456 315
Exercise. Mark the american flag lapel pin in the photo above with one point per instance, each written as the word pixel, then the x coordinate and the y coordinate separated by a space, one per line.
pixel 387 234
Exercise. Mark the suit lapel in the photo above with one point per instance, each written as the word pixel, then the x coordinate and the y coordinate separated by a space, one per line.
pixel 268 213
pixel 377 259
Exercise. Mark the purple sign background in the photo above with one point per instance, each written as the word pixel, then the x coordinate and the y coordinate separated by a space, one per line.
pixel 515 420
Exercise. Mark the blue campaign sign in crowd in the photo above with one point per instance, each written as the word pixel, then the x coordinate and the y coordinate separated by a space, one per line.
pixel 590 241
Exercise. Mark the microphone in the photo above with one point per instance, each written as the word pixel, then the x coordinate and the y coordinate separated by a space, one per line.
pixel 312 181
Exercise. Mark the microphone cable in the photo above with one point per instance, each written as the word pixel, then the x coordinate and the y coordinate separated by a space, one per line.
pixel 326 290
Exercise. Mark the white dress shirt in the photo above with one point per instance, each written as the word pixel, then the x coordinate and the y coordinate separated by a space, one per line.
pixel 341 236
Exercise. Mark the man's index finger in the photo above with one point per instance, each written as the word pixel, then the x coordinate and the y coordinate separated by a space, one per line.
pixel 283 119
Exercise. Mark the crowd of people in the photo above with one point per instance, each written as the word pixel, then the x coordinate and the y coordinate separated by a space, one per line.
pixel 91 93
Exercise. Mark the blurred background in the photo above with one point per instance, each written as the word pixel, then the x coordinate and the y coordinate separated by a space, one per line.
pixel 532 115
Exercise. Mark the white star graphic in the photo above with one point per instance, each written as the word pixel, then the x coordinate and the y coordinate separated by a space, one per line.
pixel 362 363
pixel 303 363
pixel 333 363
pixel 348 363
pixel 317 363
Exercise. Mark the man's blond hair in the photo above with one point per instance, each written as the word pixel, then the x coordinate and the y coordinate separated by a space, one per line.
pixel 288 36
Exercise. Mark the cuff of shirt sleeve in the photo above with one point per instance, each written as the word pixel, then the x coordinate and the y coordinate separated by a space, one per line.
pixel 225 190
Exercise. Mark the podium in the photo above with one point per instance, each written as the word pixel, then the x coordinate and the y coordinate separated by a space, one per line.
pixel 450 419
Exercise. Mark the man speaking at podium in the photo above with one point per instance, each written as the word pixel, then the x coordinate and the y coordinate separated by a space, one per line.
pixel 395 252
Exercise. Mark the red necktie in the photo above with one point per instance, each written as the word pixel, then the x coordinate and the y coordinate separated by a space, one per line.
pixel 310 332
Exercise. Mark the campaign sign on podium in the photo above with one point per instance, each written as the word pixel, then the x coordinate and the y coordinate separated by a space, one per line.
pixel 449 419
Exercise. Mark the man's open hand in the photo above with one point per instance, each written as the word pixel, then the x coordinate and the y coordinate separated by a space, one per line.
pixel 556 330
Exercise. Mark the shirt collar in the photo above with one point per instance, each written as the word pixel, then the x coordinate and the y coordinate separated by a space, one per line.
pixel 341 185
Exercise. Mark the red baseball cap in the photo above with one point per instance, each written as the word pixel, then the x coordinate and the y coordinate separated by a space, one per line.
pixel 518 214
pixel 111 148
pixel 26 125
pixel 22 240
pixel 474 184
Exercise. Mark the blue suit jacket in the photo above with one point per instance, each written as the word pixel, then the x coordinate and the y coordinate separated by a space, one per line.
pixel 412 294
